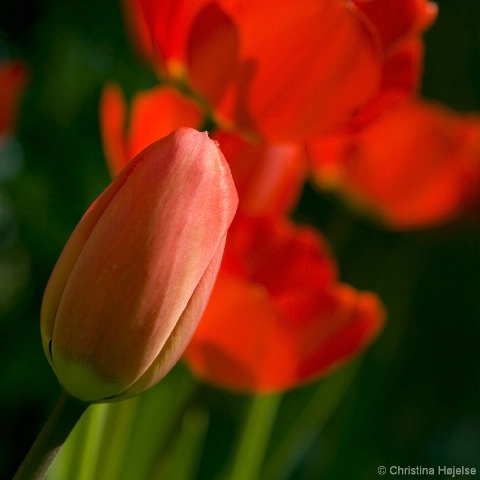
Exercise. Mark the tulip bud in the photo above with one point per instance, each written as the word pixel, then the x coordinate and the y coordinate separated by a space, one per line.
pixel 134 278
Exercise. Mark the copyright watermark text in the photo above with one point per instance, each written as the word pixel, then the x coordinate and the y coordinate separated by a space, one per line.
pixel 417 471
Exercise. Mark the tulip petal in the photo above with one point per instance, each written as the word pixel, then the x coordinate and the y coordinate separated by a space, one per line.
pixel 245 342
pixel 183 331
pixel 400 80
pixel 350 331
pixel 269 177
pixel 395 19
pixel 112 112
pixel 154 114
pixel 157 112
pixel 239 343
pixel 69 256
pixel 212 52
pixel 277 254
pixel 169 22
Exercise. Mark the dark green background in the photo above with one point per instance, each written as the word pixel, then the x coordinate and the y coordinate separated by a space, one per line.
pixel 416 399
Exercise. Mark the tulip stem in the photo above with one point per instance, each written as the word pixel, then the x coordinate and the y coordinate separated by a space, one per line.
pixel 254 439
pixel 50 440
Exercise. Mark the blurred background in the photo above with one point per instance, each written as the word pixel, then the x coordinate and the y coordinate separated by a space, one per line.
pixel 415 400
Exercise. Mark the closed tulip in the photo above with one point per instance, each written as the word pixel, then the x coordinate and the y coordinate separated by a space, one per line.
pixel 134 278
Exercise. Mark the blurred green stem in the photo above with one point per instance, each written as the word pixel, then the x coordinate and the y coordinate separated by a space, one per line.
pixel 310 420
pixel 50 440
pixel 255 436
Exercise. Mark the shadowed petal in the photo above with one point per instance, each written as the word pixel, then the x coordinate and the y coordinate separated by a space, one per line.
pixel 394 19
pixel 269 177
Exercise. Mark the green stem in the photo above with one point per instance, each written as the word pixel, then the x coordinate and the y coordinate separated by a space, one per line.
pixel 114 450
pixel 325 399
pixel 93 431
pixel 50 440
pixel 183 461
pixel 255 436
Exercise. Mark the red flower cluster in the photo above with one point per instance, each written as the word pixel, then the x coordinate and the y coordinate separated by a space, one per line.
pixel 328 87
pixel 414 163
pixel 350 83
pixel 277 316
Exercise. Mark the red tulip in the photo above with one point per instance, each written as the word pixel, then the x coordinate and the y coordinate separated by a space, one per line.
pixel 277 317
pixel 134 277
pixel 271 68
pixel 416 165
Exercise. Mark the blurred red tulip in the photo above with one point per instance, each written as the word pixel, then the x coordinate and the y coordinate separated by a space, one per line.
pixel 416 165
pixel 277 317
pixel 269 68
pixel 13 79
pixel 133 279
